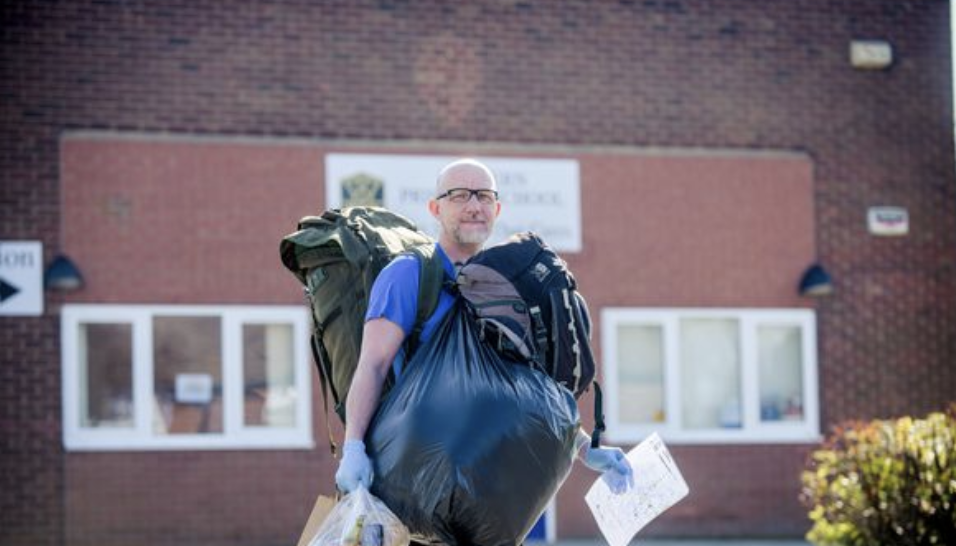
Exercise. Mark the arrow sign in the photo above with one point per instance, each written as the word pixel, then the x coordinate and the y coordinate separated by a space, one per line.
pixel 7 290
pixel 21 278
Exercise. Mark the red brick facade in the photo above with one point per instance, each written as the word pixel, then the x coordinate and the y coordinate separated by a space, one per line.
pixel 279 84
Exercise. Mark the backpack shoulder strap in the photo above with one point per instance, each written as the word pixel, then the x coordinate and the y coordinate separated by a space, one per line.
pixel 430 282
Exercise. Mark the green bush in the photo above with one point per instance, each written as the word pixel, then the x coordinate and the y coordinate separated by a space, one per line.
pixel 884 482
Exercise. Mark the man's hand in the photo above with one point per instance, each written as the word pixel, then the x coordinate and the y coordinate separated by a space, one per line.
pixel 615 469
pixel 355 467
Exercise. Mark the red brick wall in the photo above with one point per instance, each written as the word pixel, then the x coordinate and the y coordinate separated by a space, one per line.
pixel 203 218
pixel 688 229
pixel 679 73
pixel 210 498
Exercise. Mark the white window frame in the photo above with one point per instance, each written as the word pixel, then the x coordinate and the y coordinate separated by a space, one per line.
pixel 753 430
pixel 235 434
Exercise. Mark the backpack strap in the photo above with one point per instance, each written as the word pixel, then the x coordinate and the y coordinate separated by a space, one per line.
pixel 321 357
pixel 599 426
pixel 541 340
pixel 322 361
pixel 430 281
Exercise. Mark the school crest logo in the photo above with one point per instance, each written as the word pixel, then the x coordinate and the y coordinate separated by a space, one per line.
pixel 363 190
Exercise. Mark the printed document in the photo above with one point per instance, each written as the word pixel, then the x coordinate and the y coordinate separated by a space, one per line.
pixel 658 485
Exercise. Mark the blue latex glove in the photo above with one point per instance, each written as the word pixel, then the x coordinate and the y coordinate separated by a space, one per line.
pixel 613 465
pixel 355 468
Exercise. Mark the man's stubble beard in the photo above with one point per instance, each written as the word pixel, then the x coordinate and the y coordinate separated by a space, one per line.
pixel 471 237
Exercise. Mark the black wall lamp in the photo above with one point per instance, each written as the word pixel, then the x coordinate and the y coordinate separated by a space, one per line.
pixel 816 282
pixel 62 275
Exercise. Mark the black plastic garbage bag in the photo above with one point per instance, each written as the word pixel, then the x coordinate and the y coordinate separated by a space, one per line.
pixel 469 448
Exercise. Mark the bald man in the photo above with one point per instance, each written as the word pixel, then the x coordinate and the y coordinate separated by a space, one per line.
pixel 466 206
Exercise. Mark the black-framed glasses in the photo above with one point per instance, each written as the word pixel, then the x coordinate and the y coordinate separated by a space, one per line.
pixel 460 196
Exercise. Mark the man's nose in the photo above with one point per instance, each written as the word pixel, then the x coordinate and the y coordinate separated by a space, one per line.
pixel 472 202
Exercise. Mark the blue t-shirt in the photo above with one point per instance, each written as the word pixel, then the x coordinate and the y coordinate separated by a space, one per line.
pixel 395 297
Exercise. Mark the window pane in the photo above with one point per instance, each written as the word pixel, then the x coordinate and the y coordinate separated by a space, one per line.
pixel 710 373
pixel 781 373
pixel 269 375
pixel 640 350
pixel 106 375
pixel 187 371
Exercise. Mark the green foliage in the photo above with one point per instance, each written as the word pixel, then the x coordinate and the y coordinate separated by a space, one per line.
pixel 885 482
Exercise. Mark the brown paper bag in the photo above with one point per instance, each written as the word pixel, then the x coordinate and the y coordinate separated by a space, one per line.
pixel 323 505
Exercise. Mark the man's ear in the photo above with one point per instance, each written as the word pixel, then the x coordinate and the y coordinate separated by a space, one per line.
pixel 433 207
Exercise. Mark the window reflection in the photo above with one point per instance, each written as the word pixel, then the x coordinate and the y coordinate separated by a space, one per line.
pixel 781 373
pixel 641 373
pixel 187 375
pixel 106 375
pixel 269 375
pixel 710 372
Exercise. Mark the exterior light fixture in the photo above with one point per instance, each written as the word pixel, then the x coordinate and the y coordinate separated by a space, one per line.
pixel 62 275
pixel 816 282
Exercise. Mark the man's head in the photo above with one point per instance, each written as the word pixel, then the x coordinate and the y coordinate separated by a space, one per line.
pixel 465 204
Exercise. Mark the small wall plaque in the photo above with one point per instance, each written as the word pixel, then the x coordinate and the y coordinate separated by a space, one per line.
pixel 870 54
pixel 888 221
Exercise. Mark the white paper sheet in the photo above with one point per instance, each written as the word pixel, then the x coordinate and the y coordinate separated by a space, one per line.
pixel 658 485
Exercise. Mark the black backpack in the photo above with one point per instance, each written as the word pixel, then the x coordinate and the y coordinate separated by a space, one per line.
pixel 529 309
pixel 336 257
